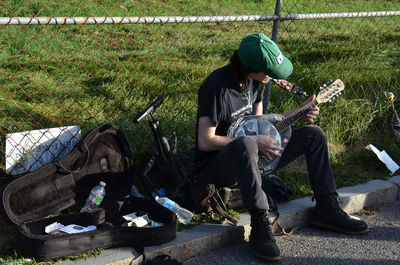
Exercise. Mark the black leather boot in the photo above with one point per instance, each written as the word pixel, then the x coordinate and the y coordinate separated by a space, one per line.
pixel 262 241
pixel 328 214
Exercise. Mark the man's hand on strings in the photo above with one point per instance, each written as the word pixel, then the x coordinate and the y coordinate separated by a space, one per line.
pixel 267 146
pixel 312 113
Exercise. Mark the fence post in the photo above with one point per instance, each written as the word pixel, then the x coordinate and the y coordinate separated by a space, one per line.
pixel 275 26
pixel 275 29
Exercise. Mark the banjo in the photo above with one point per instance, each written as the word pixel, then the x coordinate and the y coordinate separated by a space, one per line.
pixel 278 126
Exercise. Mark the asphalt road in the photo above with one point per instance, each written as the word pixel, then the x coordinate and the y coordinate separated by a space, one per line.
pixel 308 246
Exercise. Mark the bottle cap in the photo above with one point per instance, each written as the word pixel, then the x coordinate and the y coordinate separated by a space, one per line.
pixel 102 183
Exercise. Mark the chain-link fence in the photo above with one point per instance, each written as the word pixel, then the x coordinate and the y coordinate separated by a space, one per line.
pixel 85 63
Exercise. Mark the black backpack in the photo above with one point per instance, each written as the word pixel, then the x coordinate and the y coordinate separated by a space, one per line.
pixel 276 188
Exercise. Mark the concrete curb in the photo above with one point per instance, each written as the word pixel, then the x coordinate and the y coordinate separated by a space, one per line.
pixel 205 237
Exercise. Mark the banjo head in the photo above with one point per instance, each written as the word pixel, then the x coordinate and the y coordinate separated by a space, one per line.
pixel 258 125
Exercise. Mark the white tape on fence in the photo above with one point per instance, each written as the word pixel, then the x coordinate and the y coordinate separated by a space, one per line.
pixel 186 19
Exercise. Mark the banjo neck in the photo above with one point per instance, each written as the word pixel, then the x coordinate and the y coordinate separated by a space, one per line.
pixel 327 94
pixel 296 114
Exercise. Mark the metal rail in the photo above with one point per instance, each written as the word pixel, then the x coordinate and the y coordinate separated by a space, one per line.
pixel 186 19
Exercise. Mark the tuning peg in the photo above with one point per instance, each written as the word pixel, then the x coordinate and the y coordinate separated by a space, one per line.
pixel 340 93
pixel 330 100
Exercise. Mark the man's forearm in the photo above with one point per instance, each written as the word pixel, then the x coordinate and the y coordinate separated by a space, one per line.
pixel 214 143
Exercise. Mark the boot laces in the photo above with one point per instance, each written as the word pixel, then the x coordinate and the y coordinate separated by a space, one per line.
pixel 335 202
pixel 263 227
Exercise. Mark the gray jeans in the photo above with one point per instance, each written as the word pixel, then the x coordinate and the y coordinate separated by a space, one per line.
pixel 237 163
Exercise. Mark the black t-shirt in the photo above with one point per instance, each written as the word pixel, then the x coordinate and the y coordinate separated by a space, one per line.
pixel 220 99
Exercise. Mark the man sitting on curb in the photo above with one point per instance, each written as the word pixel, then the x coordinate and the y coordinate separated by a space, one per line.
pixel 236 90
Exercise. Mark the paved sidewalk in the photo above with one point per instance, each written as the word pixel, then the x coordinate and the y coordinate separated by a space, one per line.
pixel 205 237
pixel 310 246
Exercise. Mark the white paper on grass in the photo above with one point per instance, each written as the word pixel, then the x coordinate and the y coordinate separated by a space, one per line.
pixel 31 150
pixel 385 158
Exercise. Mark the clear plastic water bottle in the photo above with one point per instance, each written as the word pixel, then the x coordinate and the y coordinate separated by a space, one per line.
pixel 95 197
pixel 184 216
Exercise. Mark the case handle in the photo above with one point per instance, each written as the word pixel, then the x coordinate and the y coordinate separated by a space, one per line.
pixel 84 148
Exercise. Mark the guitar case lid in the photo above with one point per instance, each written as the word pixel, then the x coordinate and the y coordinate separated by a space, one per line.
pixel 103 154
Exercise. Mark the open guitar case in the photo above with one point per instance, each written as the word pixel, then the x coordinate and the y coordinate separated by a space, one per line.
pixel 102 155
